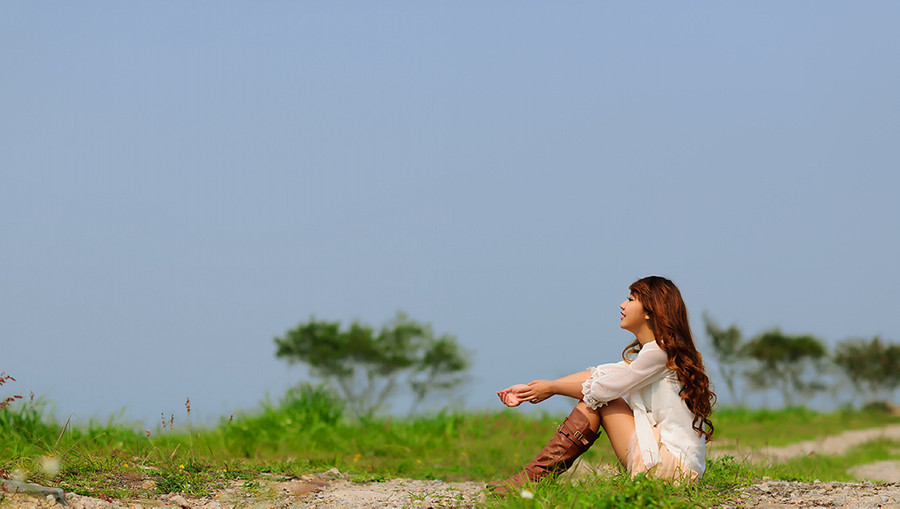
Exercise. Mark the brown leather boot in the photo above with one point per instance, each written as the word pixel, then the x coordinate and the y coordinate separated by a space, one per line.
pixel 572 438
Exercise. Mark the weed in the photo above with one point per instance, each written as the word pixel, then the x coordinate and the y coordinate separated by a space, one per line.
pixel 363 478
pixel 252 486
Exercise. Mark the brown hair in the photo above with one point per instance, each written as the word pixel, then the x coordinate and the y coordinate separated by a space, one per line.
pixel 669 322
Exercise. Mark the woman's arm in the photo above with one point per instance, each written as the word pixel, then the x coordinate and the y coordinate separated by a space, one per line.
pixel 539 390
pixel 519 393
pixel 509 395
pixel 614 380
pixel 648 366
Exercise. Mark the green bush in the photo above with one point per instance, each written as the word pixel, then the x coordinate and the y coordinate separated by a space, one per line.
pixel 306 414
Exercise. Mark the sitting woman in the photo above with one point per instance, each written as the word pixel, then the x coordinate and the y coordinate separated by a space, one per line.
pixel 654 405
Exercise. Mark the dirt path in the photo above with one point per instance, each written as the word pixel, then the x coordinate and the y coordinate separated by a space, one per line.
pixel 782 494
pixel 332 489
pixel 830 445
pixel 326 490
pixel 778 494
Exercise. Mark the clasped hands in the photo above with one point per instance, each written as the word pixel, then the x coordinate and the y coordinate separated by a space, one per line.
pixel 532 392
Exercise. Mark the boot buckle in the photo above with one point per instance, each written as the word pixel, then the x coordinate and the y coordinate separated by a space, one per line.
pixel 576 434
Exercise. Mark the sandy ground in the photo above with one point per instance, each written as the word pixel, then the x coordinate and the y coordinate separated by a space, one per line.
pixel 879 486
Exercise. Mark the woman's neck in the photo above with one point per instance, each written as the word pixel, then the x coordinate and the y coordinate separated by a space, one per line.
pixel 645 336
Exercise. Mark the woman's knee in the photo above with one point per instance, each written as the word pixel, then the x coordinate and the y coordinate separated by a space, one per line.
pixel 615 408
pixel 586 410
pixel 591 413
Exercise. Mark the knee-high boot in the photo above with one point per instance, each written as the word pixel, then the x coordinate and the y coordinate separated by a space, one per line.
pixel 572 438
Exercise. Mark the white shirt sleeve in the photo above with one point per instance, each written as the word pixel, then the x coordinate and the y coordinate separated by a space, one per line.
pixel 611 381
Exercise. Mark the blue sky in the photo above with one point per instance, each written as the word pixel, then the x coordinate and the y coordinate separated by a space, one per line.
pixel 182 182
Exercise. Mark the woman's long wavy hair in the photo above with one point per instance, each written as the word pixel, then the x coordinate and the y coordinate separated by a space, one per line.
pixel 669 322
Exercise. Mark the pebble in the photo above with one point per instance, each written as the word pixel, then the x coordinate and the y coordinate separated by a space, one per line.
pixel 310 492
pixel 777 494
pixel 403 493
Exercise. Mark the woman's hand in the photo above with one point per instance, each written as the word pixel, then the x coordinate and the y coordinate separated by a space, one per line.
pixel 537 391
pixel 510 396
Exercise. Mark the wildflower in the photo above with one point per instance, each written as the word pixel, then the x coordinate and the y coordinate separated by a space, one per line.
pixel 356 458
pixel 50 465
pixel 526 494
pixel 5 402
pixel 181 466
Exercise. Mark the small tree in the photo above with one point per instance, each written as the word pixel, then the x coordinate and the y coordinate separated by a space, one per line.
pixel 783 362
pixel 872 367
pixel 727 349
pixel 368 367
pixel 441 369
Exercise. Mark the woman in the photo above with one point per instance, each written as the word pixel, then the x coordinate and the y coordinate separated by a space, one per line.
pixel 654 405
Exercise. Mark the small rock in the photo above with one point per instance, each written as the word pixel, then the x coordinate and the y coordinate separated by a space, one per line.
pixel 34 489
pixel 179 501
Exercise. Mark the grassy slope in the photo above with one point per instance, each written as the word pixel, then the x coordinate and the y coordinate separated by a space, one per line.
pixel 307 432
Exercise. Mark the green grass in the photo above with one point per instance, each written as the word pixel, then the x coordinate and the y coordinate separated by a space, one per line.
pixel 834 468
pixel 760 427
pixel 307 431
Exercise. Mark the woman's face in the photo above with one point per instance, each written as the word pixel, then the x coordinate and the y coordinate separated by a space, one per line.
pixel 634 317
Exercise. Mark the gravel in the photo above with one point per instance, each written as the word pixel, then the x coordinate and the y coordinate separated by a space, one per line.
pixel 776 494
pixel 329 489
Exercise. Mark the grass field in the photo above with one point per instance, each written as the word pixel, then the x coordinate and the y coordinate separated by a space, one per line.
pixel 307 431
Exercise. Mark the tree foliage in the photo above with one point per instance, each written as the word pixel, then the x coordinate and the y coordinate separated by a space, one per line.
pixel 367 366
pixel 871 366
pixel 788 363
pixel 727 347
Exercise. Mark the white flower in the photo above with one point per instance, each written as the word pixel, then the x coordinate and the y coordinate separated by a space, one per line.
pixel 50 465
pixel 526 494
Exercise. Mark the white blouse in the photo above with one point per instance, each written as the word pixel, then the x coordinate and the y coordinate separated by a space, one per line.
pixel 651 390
